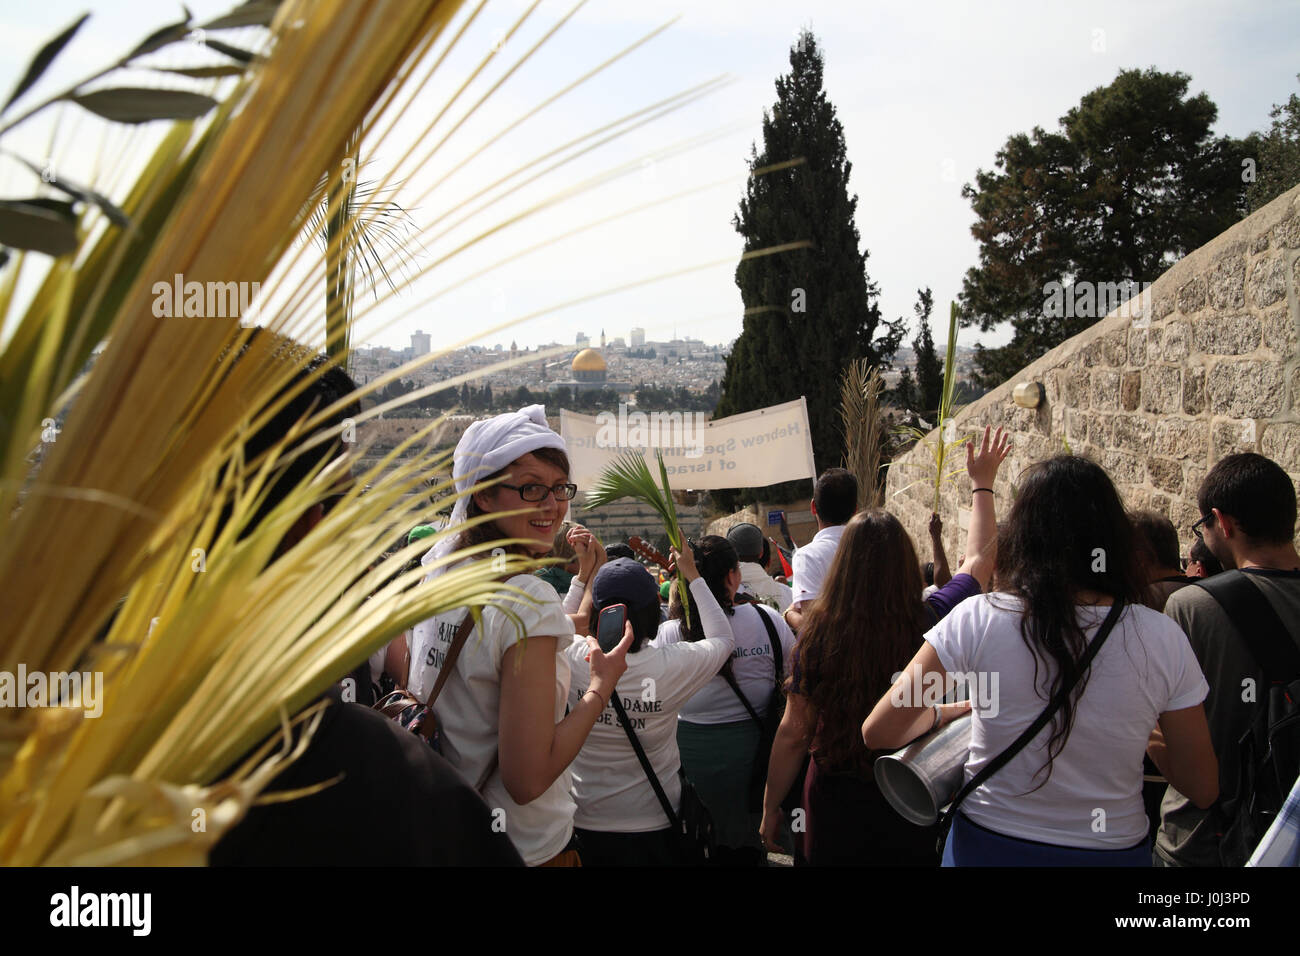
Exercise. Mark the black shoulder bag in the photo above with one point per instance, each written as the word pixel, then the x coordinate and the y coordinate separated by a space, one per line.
pixel 693 839
pixel 1054 705
pixel 766 727
pixel 1269 750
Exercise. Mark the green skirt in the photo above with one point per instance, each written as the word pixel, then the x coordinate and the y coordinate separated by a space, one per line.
pixel 719 759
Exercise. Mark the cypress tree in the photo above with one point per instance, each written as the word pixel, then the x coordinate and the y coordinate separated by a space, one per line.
pixel 808 311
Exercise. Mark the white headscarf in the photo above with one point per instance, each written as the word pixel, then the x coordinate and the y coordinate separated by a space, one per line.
pixel 487 447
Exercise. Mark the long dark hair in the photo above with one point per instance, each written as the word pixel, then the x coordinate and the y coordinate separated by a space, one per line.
pixel 1067 532
pixel 864 628
pixel 715 557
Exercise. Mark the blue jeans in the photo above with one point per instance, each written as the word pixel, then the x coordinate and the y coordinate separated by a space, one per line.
pixel 970 844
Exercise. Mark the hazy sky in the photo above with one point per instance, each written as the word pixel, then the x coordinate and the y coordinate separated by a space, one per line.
pixel 926 93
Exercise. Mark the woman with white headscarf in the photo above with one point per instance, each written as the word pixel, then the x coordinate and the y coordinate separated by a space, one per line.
pixel 501 712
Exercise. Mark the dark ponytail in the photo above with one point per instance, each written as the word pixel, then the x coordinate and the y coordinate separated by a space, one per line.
pixel 715 557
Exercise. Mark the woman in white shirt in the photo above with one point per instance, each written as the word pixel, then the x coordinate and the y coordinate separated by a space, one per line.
pixel 501 712
pixel 718 737
pixel 1073 795
pixel 620 820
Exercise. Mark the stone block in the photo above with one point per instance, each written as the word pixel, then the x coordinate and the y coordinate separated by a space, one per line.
pixel 1159 504
pixel 1281 442
pixel 1076 427
pixel 1123 467
pixel 1279 330
pixel 1260 244
pixel 1166 474
pixel 1286 234
pixel 1130 390
pixel 1101 430
pixel 1181 438
pixel 1114 345
pixel 1105 389
pixel 1132 433
pixel 1230 436
pixel 1175 341
pixel 1267 283
pixel 1160 388
pixel 1194 389
pixel 1162 306
pixel 1248 388
pixel 1191 297
pixel 1075 388
pixel 1137 348
pixel 1227 278
pixel 1295 390
pixel 1193 475
pixel 1226 334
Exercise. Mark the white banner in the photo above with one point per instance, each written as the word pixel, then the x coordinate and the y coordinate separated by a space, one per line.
pixel 750 450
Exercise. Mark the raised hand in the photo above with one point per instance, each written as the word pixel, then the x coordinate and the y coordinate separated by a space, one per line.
pixel 982 465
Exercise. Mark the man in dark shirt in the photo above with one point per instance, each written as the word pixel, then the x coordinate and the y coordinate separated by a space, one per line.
pixel 395 803
pixel 1248 508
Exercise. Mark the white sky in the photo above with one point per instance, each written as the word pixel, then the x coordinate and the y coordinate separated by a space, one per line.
pixel 926 92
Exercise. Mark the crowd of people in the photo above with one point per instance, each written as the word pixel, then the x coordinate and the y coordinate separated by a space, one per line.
pixel 763 708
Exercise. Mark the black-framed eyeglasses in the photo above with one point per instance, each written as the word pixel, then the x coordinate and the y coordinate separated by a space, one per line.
pixel 1205 520
pixel 536 492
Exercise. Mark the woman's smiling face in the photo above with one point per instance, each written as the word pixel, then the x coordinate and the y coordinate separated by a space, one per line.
pixel 538 526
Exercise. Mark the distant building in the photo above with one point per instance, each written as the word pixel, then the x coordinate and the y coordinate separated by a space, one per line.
pixel 421 343
pixel 638 338
pixel 590 374
pixel 582 341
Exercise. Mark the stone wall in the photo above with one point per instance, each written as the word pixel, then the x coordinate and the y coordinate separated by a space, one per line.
pixel 1158 391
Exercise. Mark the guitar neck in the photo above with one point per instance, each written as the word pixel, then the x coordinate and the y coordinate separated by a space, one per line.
pixel 646 551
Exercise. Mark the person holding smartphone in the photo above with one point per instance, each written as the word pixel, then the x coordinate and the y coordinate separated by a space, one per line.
pixel 619 819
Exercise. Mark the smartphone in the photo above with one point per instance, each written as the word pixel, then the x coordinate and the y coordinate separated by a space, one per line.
pixel 609 629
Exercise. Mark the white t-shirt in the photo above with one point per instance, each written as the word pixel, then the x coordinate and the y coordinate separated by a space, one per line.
pixel 812 563
pixel 1094 797
pixel 756 582
pixel 612 791
pixel 468 707
pixel 751 664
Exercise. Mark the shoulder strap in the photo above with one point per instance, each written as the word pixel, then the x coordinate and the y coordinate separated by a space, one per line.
pixel 1057 702
pixel 645 762
pixel 730 678
pixel 457 642
pixel 777 660
pixel 1252 614
pixel 774 642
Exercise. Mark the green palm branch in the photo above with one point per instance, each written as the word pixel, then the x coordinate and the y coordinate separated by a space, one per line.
pixel 628 476
pixel 943 445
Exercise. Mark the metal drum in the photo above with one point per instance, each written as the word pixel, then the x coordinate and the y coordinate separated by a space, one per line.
pixel 924 777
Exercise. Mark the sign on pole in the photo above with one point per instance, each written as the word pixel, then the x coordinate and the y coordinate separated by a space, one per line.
pixel 750 450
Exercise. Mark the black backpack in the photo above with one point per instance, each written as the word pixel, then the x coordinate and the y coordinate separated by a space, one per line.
pixel 1269 750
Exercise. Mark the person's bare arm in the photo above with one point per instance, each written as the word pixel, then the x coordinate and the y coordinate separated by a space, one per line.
pixel 900 717
pixel 1181 749
pixel 397 659
pixel 982 535
pixel 794 616
pixel 792 740
pixel 533 748
pixel 942 573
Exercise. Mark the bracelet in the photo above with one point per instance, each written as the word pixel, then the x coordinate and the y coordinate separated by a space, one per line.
pixel 938 716
pixel 989 490
pixel 603 703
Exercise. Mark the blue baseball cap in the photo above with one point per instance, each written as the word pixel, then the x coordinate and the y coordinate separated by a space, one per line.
pixel 624 581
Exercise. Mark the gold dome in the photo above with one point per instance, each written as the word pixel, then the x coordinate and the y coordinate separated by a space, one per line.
pixel 589 360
